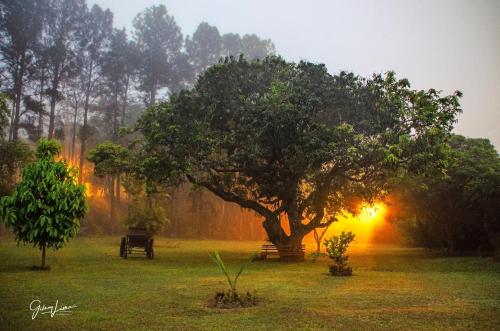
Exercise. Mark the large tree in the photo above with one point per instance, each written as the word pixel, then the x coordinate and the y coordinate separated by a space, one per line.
pixel 93 35
pixel 204 48
pixel 119 68
pixel 159 40
pixel 291 141
pixel 63 19
pixel 20 26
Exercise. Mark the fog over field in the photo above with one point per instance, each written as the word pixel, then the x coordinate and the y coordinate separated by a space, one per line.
pixel 448 45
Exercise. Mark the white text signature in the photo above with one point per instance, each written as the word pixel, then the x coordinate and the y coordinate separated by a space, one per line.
pixel 37 307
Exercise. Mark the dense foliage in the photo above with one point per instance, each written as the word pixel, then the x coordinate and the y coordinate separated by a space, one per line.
pixel 144 210
pixel 336 247
pixel 47 204
pixel 14 156
pixel 287 139
pixel 457 209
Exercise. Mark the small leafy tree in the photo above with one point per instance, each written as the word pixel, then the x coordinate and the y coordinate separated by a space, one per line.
pixel 110 161
pixel 113 160
pixel 336 248
pixel 46 206
pixel 232 296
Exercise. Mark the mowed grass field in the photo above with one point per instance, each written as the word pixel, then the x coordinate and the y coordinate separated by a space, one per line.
pixel 392 289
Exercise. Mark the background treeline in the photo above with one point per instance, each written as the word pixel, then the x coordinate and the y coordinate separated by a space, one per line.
pixel 67 73
pixel 457 209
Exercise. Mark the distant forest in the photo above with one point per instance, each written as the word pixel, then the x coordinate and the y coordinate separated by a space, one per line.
pixel 69 74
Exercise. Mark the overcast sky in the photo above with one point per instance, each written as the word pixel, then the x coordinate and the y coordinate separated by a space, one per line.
pixel 448 45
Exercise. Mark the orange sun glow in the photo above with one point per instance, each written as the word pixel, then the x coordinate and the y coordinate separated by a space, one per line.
pixel 371 212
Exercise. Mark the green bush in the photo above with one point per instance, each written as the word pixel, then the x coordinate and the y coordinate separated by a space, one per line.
pixel 145 209
pixel 152 218
pixel 336 247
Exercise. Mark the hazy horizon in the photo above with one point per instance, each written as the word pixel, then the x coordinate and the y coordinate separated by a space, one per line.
pixel 447 45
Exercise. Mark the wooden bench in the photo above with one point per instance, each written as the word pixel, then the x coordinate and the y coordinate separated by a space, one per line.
pixel 272 250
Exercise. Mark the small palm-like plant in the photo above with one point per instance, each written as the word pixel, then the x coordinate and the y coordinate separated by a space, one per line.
pixel 232 297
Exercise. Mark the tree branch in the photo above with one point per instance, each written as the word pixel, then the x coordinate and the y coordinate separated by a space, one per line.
pixel 231 197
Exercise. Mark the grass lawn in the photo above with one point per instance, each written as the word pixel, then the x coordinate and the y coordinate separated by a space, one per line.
pixel 392 288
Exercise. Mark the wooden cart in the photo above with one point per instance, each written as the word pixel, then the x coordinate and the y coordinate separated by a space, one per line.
pixel 138 240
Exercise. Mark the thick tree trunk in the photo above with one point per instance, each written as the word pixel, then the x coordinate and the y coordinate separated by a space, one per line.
pixel 294 245
pixel 289 246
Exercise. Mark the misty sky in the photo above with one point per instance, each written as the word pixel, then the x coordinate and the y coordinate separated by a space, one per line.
pixel 448 45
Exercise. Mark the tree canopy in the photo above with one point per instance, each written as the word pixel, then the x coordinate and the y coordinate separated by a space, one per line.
pixel 291 140
pixel 204 47
pixel 159 40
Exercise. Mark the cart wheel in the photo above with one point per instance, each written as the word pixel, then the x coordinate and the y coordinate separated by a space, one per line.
pixel 123 250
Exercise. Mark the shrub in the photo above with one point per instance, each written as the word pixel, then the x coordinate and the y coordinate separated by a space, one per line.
pixel 336 248
pixel 152 218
